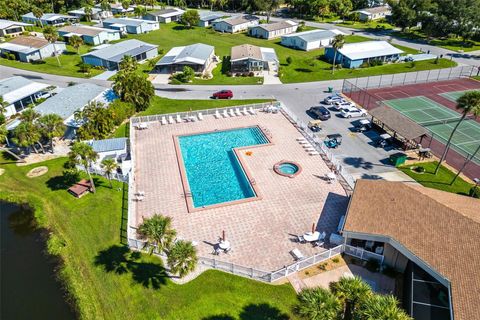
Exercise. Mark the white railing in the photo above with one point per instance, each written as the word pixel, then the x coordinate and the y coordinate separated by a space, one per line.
pixel 100 172
pixel 363 254
pixel 131 230
pixel 320 147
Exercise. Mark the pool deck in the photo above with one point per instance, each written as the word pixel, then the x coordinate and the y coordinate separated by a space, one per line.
pixel 259 231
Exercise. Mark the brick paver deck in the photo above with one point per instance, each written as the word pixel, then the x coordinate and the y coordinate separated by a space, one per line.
pixel 260 231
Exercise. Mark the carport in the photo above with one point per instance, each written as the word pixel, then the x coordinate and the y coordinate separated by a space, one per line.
pixel 398 126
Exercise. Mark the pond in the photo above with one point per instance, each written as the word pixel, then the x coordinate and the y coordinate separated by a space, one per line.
pixel 28 289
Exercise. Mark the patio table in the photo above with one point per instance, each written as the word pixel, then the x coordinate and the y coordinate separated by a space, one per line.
pixel 311 237
pixel 224 245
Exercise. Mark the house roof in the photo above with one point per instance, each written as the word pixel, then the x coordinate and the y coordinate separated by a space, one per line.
pixel 117 51
pixel 84 30
pixel 209 16
pixel 108 145
pixel 128 21
pixel 24 44
pixel 8 23
pixel 70 99
pixel 16 88
pixel 314 35
pixel 368 49
pixel 48 16
pixel 166 13
pixel 277 25
pixel 398 122
pixel 245 51
pixel 374 10
pixel 438 227
pixel 234 21
pixel 81 11
pixel 197 53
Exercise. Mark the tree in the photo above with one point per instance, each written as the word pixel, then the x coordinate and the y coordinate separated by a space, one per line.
pixel 29 115
pixel 125 4
pixel 76 42
pixel 83 154
pixel 381 307
pixel 190 18
pixel 269 6
pixel 25 135
pixel 140 11
pixel 134 88
pixel 468 103
pixel 51 35
pixel 150 3
pixel 318 304
pixel 3 138
pixel 351 292
pixel 3 105
pixel 182 258
pixel 337 44
pixel 38 13
pixel 97 121
pixel 128 63
pixel 88 12
pixel 109 166
pixel 51 126
pixel 158 232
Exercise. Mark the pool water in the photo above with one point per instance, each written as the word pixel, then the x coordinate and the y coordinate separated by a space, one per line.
pixel 288 168
pixel 213 171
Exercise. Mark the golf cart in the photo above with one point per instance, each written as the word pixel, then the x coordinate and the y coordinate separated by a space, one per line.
pixel 314 125
pixel 333 140
pixel 363 125
pixel 383 140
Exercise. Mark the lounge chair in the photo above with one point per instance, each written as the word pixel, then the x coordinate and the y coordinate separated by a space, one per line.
pixel 225 114
pixel 231 113
pixel 303 142
pixel 301 139
pixel 300 239
pixel 170 120
pixel 314 153
pixel 251 111
pixel 245 112
pixel 178 118
pixel 237 112
pixel 297 254
pixel 164 121
pixel 200 116
pixel 217 114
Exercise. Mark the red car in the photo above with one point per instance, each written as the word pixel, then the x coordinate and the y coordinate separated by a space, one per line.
pixel 224 94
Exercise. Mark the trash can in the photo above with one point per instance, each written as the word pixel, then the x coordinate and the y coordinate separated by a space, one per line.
pixel 398 159
pixel 330 89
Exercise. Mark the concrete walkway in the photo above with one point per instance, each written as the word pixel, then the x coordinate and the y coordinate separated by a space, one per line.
pixel 105 75
pixel 270 78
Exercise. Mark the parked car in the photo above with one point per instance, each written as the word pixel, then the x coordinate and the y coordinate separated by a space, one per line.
pixel 319 113
pixel 353 113
pixel 223 94
pixel 333 98
pixel 340 105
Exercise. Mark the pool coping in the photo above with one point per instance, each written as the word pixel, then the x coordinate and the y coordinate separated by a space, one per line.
pixel 237 151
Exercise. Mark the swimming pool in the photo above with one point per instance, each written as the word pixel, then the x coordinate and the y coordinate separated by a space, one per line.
pixel 213 172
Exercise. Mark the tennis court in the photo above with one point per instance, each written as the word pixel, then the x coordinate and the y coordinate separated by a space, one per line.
pixel 440 121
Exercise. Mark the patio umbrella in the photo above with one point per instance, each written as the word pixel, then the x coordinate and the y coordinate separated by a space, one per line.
pixel 223 235
pixel 313 227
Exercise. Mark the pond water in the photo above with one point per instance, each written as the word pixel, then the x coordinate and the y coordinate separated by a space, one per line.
pixel 28 287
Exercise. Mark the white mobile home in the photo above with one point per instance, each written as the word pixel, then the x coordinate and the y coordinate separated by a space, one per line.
pixel 90 35
pixel 27 49
pixel 165 15
pixel 235 24
pixel 310 40
pixel 10 28
pixel 129 25
pixel 273 30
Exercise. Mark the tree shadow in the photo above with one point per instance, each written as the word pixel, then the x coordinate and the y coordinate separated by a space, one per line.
pixel 67 179
pixel 120 260
pixel 181 27
pixel 219 317
pixel 262 311
pixel 303 70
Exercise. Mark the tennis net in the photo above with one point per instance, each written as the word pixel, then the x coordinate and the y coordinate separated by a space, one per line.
pixel 439 121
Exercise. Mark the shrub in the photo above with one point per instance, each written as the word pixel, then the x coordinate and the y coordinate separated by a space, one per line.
pixel 418 169
pixel 372 265
pixel 323 266
pixel 121 111
pixel 229 74
pixel 251 74
pixel 245 74
pixel 175 81
pixel 289 60
pixel 413 64
pixel 238 74
pixel 11 56
pixel 161 51
pixel 2 119
pixel 336 260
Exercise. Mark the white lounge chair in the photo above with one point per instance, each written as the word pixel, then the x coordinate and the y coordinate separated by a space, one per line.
pixel 170 120
pixel 164 120
pixel 303 142
pixel 297 254
pixel 251 111
pixel 314 153
pixel 178 118
pixel 217 114
pixel 143 125
pixel 301 139
pixel 225 114
pixel 200 116
pixel 231 113
pixel 245 112
pixel 237 112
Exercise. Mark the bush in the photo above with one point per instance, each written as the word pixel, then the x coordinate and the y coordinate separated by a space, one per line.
pixel 251 74
pixel 175 81
pixel 37 62
pixel 229 74
pixel 2 119
pixel 121 111
pixel 161 51
pixel 245 74
pixel 238 74
pixel 11 56
pixel 289 60
pixel 336 260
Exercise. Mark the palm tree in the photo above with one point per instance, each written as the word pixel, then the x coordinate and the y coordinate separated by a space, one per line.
pixel 128 63
pixel 125 4
pixel 3 105
pixel 382 307
pixel 83 154
pixel 105 6
pixel 468 103
pixel 150 3
pixel 25 135
pixel 337 44
pixel 3 137
pixel 29 115
pixel 318 304
pixel 351 292
pixel 38 13
pixel 51 126
pixel 182 258
pixel 109 166
pixel 134 88
pixel 76 42
pixel 88 12
pixel 51 35
pixel 158 231
pixel 140 11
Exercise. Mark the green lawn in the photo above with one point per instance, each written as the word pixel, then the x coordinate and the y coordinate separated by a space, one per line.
pixel 161 105
pixel 441 181
pixel 370 25
pixel 454 44
pixel 69 64
pixel 108 282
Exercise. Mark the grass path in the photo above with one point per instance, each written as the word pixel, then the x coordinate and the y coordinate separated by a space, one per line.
pixel 107 281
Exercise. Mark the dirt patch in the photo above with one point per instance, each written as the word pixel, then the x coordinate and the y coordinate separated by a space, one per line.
pixel 328 265
pixel 37 172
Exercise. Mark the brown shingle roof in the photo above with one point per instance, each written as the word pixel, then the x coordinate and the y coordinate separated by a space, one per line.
pixel 245 51
pixel 440 228
pixel 374 10
pixel 239 20
pixel 33 42
pixel 277 25
pixel 398 122
pixel 83 30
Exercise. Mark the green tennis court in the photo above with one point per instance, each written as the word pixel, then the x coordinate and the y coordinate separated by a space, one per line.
pixel 440 121
pixel 454 95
